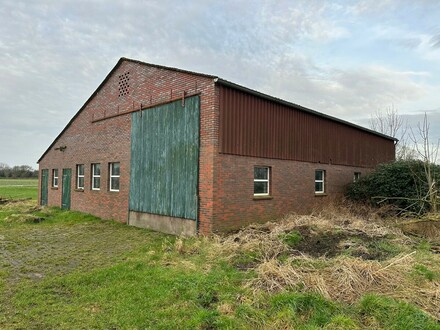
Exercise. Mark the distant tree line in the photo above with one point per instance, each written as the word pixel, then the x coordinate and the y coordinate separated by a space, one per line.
pixel 21 171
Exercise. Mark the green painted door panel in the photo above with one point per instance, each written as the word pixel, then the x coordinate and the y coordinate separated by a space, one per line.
pixel 66 188
pixel 44 186
pixel 164 159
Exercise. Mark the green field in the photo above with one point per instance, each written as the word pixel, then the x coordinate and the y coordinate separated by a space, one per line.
pixel 18 188
pixel 68 270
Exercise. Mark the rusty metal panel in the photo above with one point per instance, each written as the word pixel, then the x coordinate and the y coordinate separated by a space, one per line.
pixel 258 127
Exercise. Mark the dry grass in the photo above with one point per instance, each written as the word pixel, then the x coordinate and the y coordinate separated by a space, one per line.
pixel 342 278
pixel 20 205
pixel 347 279
pixel 264 239
pixel 422 227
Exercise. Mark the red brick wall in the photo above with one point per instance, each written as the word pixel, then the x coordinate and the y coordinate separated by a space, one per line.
pixel 109 140
pixel 291 189
pixel 93 143
pixel 225 181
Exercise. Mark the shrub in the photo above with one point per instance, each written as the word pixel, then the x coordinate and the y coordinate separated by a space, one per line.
pixel 403 183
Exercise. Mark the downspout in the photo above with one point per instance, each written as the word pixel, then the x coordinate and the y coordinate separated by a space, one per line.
pixel 197 215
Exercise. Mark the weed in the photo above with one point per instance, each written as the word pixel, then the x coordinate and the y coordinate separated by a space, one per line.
pixel 425 272
pixel 339 322
pixel 311 309
pixel 254 316
pixel 424 246
pixel 246 260
pixel 383 249
pixel 391 314
pixel 292 238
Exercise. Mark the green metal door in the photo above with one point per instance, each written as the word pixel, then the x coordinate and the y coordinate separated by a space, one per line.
pixel 66 188
pixel 164 159
pixel 44 186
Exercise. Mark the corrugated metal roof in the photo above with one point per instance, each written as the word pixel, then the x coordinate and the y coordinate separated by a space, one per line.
pixel 258 127
pixel 296 106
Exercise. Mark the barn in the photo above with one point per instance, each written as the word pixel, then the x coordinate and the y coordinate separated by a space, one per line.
pixel 189 153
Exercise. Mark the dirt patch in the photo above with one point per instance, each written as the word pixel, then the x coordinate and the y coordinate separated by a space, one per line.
pixel 315 243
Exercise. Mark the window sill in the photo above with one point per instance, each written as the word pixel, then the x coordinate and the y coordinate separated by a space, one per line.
pixel 54 188
pixel 257 198
pixel 113 191
pixel 320 194
pixel 79 190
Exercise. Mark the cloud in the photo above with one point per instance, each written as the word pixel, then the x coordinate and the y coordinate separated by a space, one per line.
pixel 435 41
pixel 346 93
pixel 55 54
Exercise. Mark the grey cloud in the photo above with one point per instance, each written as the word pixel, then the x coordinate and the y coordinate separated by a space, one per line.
pixel 435 41
pixel 409 43
pixel 345 93
pixel 54 55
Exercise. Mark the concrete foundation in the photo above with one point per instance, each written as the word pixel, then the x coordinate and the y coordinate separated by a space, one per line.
pixel 164 224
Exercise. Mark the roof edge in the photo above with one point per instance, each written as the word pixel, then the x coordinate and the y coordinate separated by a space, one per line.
pixel 122 59
pixel 82 108
pixel 168 68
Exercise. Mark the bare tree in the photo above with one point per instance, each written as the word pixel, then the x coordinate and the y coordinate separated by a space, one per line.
pixel 390 123
pixel 428 153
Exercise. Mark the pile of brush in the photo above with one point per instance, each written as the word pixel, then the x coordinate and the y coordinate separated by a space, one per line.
pixel 269 251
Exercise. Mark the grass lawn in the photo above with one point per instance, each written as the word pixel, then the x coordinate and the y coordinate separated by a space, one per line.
pixel 67 270
pixel 19 188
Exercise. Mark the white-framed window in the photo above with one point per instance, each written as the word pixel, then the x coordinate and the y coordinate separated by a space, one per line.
pixel 261 181
pixel 80 176
pixel 319 181
pixel 356 176
pixel 96 176
pixel 114 176
pixel 55 178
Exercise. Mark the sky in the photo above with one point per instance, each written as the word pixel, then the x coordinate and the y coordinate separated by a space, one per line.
pixel 347 59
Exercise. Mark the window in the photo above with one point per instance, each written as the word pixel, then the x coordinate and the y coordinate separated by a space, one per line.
pixel 80 176
pixel 261 181
pixel 96 176
pixel 319 181
pixel 114 176
pixel 55 178
pixel 357 176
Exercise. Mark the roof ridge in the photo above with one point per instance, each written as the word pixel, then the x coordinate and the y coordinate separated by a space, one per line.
pixel 159 66
pixel 217 80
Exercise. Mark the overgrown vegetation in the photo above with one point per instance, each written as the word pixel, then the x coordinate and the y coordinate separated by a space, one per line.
pixel 62 269
pixel 402 184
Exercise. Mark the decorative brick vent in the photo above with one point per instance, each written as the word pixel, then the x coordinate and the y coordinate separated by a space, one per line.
pixel 124 84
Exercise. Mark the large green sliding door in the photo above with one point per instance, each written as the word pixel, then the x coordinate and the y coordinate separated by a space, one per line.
pixel 164 159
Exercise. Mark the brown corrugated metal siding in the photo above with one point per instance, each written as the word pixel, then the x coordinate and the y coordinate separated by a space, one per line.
pixel 255 126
